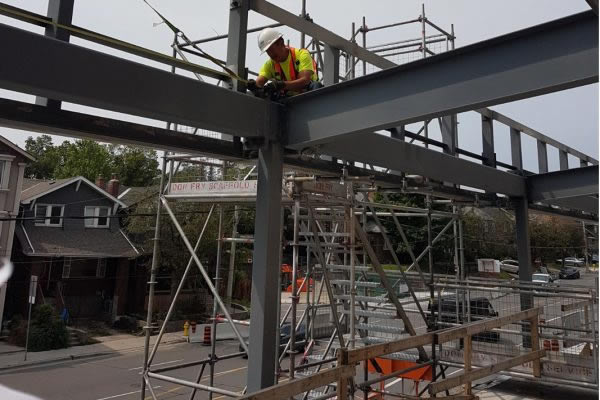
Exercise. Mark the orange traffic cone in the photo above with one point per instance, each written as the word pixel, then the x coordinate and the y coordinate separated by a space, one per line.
pixel 206 340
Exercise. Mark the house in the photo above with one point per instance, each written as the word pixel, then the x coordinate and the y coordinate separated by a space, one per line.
pixel 70 238
pixel 13 160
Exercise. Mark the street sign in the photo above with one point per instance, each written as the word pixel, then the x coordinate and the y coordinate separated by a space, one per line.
pixel 32 289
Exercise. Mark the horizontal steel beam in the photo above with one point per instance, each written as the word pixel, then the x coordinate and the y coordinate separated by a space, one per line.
pixel 33 118
pixel 317 32
pixel 558 55
pixel 50 68
pixel 398 155
pixel 587 204
pixel 563 184
pixel 85 34
pixel 535 134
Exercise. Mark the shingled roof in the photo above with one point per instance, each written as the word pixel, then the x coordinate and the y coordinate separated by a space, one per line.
pixel 92 243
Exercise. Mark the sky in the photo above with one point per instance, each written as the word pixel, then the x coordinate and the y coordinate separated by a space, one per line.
pixel 570 116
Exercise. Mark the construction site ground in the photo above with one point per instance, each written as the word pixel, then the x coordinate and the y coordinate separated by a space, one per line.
pixel 110 370
pixel 117 376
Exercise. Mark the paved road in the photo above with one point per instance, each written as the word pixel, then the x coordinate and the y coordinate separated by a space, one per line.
pixel 118 378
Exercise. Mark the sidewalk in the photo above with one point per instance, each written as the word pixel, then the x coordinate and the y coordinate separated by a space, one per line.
pixel 12 356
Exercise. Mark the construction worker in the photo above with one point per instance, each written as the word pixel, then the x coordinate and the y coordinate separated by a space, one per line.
pixel 287 72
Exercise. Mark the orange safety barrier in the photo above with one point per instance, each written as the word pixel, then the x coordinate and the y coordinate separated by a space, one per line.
pixel 388 366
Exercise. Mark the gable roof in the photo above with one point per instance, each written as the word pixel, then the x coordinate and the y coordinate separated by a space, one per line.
pixel 44 187
pixel 16 148
pixel 135 194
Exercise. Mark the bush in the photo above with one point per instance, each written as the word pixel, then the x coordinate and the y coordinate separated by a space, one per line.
pixel 47 331
pixel 18 330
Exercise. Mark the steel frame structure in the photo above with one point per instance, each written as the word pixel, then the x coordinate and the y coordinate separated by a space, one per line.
pixel 325 130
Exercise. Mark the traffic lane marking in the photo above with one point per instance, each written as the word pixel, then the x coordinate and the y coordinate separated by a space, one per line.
pixel 154 365
pixel 125 394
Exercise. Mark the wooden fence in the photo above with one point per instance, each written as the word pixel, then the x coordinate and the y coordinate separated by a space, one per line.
pixel 347 360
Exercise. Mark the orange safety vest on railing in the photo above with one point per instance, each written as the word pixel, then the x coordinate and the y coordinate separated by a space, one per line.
pixel 293 65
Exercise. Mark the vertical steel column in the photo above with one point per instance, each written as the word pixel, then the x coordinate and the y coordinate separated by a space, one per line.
pixel 236 40
pixel 449 134
pixel 542 151
pixel 152 282
pixel 563 159
pixel 60 11
pixel 265 268
pixel 524 256
pixel 515 149
pixel 331 67
pixel 398 133
pixel 236 47
pixel 487 137
pixel 523 243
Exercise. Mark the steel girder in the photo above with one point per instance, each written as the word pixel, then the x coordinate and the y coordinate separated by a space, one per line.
pixel 554 56
pixel 50 68
pixel 564 149
pixel 34 118
pixel 575 188
pixel 398 155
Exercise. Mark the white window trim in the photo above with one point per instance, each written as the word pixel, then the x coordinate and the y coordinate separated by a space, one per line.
pixel 66 270
pixel 48 214
pixel 6 162
pixel 101 268
pixel 96 217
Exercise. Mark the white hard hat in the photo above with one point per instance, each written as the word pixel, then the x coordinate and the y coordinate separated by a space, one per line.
pixel 267 37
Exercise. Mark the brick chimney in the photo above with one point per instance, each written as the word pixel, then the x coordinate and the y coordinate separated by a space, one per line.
pixel 113 186
pixel 101 182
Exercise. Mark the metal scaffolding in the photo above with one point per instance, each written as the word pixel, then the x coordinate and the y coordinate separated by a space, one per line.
pixel 320 156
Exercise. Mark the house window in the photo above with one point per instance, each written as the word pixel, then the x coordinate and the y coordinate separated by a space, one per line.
pixel 101 268
pixel 66 271
pixel 2 179
pixel 49 214
pixel 100 217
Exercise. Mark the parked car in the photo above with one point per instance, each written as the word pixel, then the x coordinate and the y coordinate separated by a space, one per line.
pixel 511 266
pixel 284 337
pixel 569 273
pixel 541 279
pixel 545 270
pixel 480 308
pixel 571 261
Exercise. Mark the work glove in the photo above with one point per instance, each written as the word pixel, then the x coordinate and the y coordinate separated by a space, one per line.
pixel 252 85
pixel 274 86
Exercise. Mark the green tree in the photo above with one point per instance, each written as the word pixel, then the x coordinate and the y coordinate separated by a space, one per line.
pixel 134 166
pixel 46 157
pixel 83 158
